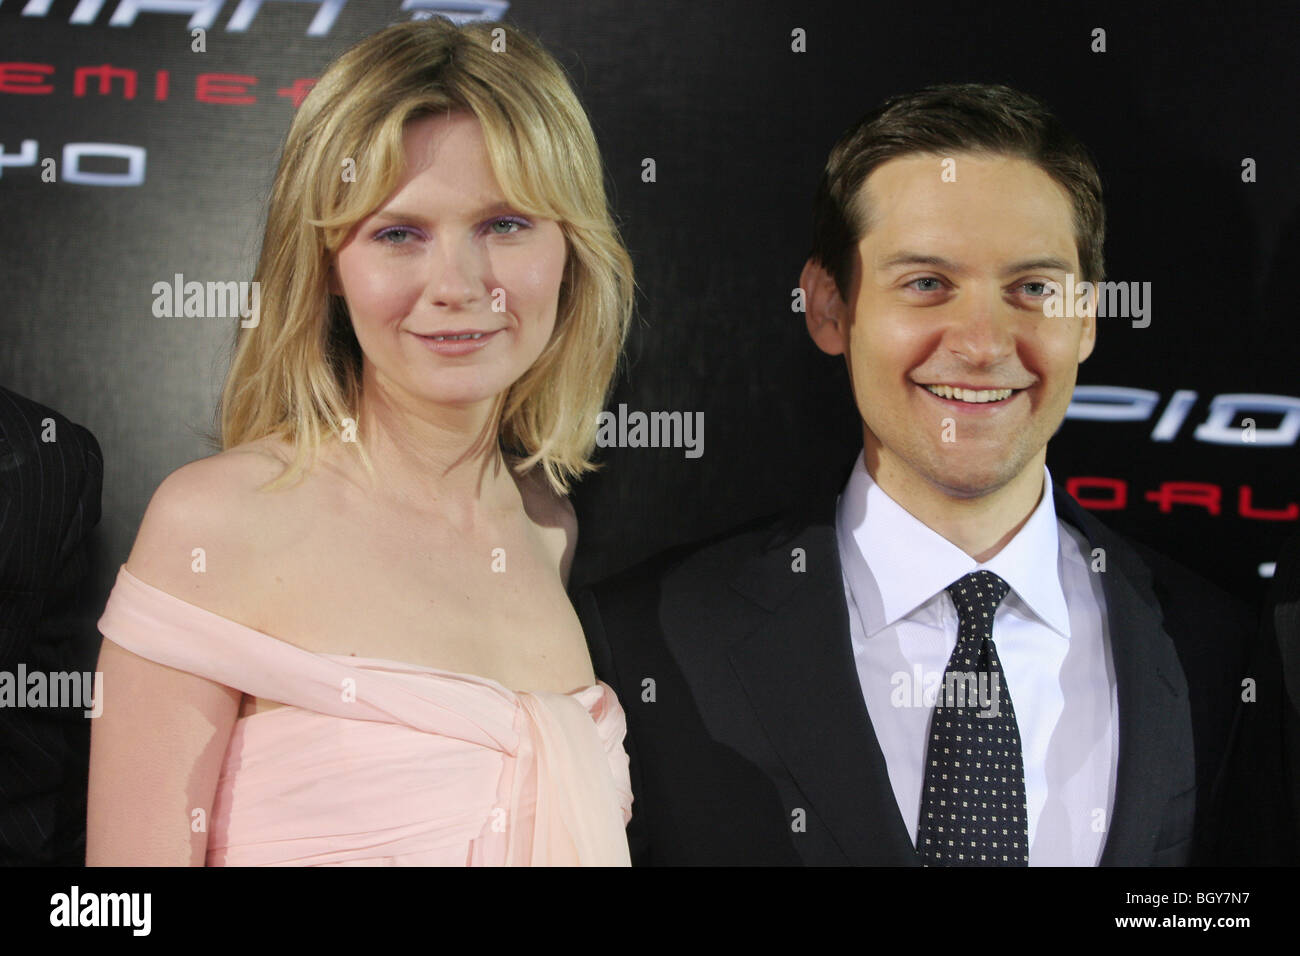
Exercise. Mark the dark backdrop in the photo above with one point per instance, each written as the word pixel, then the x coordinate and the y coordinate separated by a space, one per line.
pixel 738 125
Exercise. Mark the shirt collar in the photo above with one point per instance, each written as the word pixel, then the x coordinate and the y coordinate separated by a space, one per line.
pixel 896 563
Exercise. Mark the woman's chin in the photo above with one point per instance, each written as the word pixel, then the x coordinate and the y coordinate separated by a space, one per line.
pixel 465 397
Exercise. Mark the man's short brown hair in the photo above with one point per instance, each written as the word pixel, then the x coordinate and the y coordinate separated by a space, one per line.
pixel 952 118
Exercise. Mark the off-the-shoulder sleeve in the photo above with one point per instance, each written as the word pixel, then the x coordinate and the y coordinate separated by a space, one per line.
pixel 163 628
pixel 556 773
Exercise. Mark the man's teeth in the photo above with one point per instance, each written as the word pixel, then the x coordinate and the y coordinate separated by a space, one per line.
pixel 969 395
pixel 458 338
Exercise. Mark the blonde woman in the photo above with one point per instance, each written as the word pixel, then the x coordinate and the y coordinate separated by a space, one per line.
pixel 345 639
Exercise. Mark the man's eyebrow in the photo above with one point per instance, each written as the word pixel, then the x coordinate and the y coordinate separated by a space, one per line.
pixel 917 259
pixel 1045 262
pixel 906 258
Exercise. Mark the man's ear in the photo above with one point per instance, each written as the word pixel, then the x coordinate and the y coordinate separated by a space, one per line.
pixel 824 310
pixel 1088 327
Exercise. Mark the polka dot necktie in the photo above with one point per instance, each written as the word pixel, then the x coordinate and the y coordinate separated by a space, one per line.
pixel 973 810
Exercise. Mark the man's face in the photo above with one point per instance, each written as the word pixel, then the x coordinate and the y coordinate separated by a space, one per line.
pixel 948 294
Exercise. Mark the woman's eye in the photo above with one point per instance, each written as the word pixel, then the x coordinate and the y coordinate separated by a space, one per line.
pixel 506 225
pixel 394 235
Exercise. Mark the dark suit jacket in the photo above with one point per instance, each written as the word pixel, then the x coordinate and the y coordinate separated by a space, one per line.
pixel 750 742
pixel 49 502
pixel 1261 805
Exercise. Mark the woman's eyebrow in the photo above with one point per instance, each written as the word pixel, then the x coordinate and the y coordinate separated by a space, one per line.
pixel 486 208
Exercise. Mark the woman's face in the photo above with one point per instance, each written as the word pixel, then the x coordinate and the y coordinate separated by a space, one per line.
pixel 453 293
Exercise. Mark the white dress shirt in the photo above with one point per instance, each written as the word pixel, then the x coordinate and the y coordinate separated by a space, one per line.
pixel 1052 638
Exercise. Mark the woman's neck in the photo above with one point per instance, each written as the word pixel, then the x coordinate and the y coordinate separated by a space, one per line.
pixel 439 459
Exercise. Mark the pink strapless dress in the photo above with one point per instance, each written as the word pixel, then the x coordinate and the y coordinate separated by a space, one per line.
pixel 380 763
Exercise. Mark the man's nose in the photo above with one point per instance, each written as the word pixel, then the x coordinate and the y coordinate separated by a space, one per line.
pixel 980 330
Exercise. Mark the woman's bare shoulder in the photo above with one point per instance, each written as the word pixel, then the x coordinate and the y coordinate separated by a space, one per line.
pixel 205 518
pixel 218 488
pixel 544 504
pixel 240 469
pixel 553 513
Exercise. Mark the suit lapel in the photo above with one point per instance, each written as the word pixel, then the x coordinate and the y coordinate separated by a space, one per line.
pixel 798 672
pixel 1151 691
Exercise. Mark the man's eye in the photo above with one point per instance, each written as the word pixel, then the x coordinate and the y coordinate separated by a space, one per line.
pixel 934 285
pixel 1036 289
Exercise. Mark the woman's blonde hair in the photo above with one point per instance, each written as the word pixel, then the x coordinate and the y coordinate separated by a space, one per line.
pixel 297 373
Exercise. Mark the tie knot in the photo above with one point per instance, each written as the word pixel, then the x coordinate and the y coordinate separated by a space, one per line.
pixel 978 591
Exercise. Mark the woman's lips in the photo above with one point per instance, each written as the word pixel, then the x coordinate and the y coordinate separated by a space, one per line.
pixel 462 342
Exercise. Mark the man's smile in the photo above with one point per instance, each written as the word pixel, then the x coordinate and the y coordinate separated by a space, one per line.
pixel 970 395
pixel 971 398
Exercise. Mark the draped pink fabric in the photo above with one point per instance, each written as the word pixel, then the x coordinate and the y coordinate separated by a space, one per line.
pixel 380 763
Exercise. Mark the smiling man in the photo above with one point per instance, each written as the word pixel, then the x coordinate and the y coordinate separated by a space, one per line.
pixel 958 375
pixel 953 663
